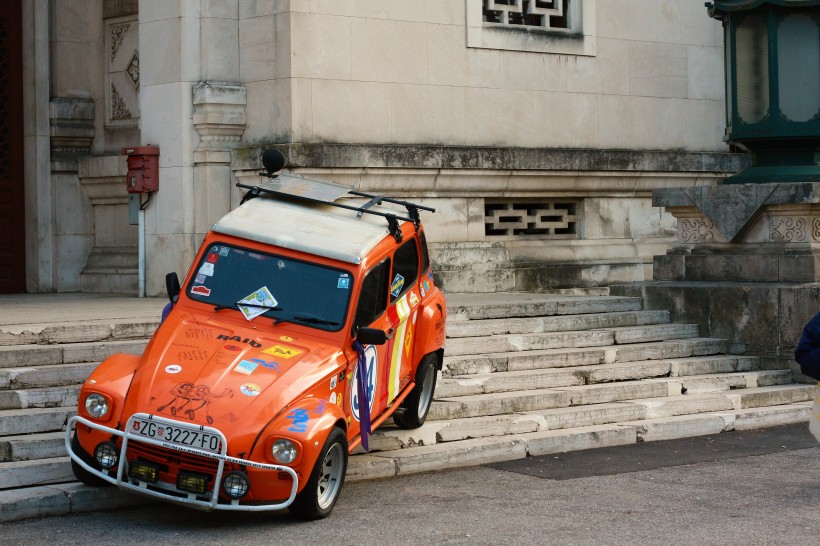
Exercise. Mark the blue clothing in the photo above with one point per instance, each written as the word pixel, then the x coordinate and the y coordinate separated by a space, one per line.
pixel 807 353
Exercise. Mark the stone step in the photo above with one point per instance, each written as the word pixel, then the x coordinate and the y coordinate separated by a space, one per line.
pixel 45 376
pixel 702 365
pixel 753 389
pixel 527 342
pixel 37 472
pixel 76 332
pixel 603 373
pixel 714 417
pixel 570 339
pixel 653 332
pixel 33 420
pixel 449 387
pixel 29 447
pixel 558 323
pixel 585 356
pixel 697 384
pixel 64 498
pixel 577 416
pixel 775 395
pixel 520 304
pixel 18 356
pixel 41 397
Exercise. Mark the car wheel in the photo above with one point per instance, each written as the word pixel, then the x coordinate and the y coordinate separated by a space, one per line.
pixel 414 409
pixel 322 489
pixel 81 473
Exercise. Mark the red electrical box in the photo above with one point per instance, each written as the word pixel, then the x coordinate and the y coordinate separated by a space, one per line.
pixel 143 169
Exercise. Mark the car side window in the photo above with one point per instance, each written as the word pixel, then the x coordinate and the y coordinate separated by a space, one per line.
pixel 425 256
pixel 405 269
pixel 373 297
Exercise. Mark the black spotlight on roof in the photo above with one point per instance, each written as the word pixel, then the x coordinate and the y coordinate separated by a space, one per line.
pixel 273 161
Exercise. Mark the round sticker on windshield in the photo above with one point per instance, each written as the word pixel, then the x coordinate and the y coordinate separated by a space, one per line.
pixel 173 368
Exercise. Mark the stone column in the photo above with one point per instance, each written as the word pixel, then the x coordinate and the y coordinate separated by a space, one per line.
pixel 182 43
pixel 71 121
pixel 219 118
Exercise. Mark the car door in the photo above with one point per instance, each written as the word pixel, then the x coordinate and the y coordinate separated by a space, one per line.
pixel 371 311
pixel 401 314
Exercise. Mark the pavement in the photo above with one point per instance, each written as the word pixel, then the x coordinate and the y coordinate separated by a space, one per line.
pixel 759 487
pixel 28 309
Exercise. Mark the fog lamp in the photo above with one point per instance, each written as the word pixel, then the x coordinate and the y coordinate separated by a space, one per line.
pixel 192 482
pixel 143 471
pixel 107 455
pixel 235 484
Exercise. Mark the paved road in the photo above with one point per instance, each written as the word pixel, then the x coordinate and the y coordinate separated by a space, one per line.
pixel 756 487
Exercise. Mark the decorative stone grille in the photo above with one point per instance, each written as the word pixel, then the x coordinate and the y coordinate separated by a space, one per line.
pixel 551 14
pixel 545 219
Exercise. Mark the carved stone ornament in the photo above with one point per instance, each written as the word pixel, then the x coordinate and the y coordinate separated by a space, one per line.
pixel 117 34
pixel 787 229
pixel 693 230
pixel 133 69
pixel 118 108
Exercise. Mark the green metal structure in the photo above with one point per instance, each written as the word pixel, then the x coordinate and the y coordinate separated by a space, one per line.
pixel 772 63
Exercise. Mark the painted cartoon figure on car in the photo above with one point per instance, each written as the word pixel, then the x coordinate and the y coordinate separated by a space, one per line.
pixel 309 317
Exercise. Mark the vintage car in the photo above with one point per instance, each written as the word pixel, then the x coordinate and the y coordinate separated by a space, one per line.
pixel 309 317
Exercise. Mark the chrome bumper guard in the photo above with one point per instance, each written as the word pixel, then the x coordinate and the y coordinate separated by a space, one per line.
pixel 124 482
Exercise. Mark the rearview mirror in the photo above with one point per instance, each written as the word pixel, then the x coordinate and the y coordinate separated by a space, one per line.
pixel 371 336
pixel 172 286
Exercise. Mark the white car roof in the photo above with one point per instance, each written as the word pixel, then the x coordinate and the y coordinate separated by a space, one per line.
pixel 314 228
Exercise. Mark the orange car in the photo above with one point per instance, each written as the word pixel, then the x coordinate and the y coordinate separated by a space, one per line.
pixel 309 318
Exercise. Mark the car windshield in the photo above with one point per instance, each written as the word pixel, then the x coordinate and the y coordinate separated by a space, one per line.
pixel 265 285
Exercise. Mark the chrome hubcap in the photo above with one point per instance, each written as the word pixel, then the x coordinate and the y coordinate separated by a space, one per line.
pixel 330 479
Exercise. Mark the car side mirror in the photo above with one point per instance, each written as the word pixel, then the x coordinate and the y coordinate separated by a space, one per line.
pixel 371 336
pixel 172 286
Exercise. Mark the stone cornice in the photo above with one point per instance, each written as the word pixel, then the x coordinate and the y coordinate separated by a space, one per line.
pixel 413 156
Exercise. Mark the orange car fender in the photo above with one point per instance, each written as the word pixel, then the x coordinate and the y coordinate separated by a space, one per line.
pixel 308 422
pixel 111 379
pixel 430 327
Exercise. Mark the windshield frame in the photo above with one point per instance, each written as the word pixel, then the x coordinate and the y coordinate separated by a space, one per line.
pixel 276 317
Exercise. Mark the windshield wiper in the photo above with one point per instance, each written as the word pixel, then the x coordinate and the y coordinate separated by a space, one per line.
pixel 312 319
pixel 237 305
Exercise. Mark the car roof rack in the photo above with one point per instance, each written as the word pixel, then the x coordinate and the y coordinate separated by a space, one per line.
pixel 318 191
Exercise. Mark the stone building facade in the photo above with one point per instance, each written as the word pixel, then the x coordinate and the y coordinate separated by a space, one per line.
pixel 537 128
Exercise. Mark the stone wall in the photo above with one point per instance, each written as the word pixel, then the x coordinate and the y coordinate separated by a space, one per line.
pixel 577 217
pixel 373 72
pixel 563 132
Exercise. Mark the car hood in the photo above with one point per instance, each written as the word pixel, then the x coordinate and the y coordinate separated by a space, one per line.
pixel 209 372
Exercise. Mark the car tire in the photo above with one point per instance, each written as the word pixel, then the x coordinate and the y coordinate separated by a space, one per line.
pixel 322 489
pixel 81 473
pixel 413 411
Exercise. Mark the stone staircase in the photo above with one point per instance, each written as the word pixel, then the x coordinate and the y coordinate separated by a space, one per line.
pixel 540 374
pixel 41 370
pixel 524 375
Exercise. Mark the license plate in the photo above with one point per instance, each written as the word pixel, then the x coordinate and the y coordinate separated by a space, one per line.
pixel 176 435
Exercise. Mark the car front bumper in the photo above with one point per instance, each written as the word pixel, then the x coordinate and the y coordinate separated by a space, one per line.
pixel 168 491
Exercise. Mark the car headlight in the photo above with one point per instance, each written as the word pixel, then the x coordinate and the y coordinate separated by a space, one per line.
pixel 96 405
pixel 283 451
